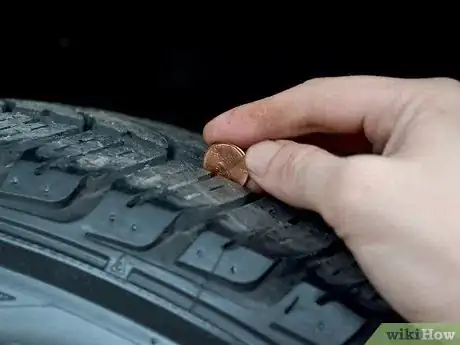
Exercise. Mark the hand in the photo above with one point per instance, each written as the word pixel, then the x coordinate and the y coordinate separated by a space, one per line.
pixel 398 210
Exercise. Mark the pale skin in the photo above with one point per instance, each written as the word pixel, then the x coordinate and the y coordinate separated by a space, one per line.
pixel 397 208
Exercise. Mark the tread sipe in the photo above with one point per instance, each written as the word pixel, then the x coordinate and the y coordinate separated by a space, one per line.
pixel 118 212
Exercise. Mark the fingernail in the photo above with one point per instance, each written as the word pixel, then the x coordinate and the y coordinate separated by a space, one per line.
pixel 259 156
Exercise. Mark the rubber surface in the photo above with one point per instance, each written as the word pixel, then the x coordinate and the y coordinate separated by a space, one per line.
pixel 118 212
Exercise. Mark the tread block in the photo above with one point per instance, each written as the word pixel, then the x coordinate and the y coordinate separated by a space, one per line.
pixel 49 112
pixel 296 319
pixel 215 191
pixel 117 159
pixel 171 175
pixel 21 127
pixel 248 218
pixel 278 211
pixel 134 228
pixel 329 324
pixel 11 120
pixel 232 265
pixel 53 186
pixel 34 131
pixel 78 144
pixel 224 191
pixel 254 226
pixel 106 121
pixel 339 269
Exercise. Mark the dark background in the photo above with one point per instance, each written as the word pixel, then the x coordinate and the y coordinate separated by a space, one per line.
pixel 187 85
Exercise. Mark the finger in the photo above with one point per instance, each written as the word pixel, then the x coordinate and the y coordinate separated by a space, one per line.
pixel 338 105
pixel 295 173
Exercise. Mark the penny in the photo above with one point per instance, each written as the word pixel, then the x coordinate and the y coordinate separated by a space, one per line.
pixel 226 160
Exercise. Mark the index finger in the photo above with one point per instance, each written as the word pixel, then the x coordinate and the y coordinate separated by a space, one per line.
pixel 326 105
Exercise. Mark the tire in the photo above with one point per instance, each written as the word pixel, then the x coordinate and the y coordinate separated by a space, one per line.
pixel 110 232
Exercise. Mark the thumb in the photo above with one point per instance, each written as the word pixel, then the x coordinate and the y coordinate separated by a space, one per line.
pixel 298 174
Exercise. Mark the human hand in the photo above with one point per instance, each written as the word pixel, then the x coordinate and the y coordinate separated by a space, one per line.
pixel 398 210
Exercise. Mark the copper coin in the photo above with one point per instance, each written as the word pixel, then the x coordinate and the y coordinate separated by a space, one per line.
pixel 227 160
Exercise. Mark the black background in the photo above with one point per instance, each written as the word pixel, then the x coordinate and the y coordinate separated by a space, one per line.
pixel 188 85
